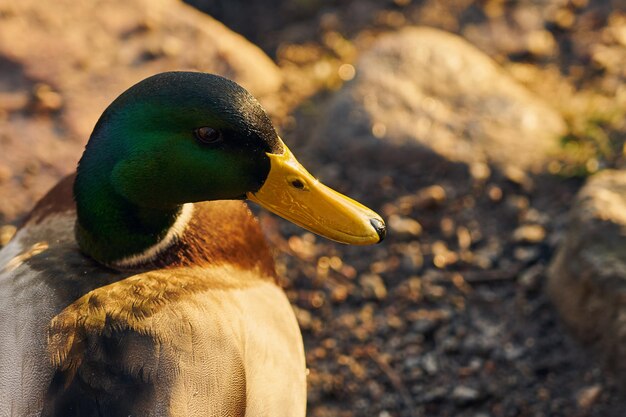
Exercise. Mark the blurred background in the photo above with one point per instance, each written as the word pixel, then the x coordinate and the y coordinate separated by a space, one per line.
pixel 490 135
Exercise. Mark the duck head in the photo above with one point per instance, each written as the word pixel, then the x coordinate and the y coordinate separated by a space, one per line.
pixel 184 137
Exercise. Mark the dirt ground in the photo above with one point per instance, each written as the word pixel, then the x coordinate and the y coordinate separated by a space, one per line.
pixel 448 316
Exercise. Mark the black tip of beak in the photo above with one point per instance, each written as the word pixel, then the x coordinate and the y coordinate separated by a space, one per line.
pixel 380 228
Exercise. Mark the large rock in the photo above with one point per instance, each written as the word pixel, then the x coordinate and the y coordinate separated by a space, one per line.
pixel 587 278
pixel 86 53
pixel 425 90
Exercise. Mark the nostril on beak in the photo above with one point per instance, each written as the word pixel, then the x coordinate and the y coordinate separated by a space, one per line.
pixel 380 228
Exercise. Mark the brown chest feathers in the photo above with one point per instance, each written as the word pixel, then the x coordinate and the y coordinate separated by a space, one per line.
pixel 220 232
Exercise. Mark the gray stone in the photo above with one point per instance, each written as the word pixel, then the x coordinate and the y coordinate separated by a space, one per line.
pixel 588 396
pixel 587 277
pixel 432 395
pixel 428 92
pixel 463 395
pixel 430 363
pixel 405 227
pixel 529 233
pixel 373 286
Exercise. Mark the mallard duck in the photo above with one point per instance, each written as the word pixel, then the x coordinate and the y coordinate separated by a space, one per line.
pixel 143 286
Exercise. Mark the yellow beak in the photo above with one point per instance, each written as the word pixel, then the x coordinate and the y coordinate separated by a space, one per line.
pixel 291 192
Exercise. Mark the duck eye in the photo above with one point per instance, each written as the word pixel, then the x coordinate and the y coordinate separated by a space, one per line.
pixel 207 135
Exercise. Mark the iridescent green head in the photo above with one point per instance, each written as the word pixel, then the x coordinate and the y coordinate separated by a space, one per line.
pixel 181 137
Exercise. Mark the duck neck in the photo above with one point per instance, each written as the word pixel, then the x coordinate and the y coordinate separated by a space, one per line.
pixel 118 233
